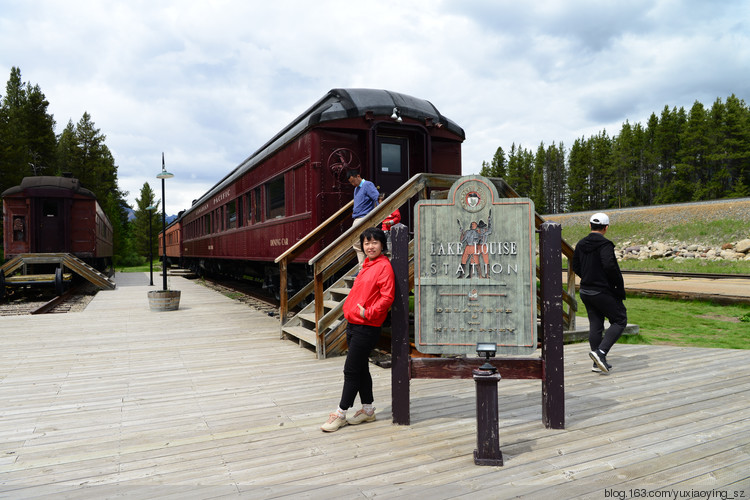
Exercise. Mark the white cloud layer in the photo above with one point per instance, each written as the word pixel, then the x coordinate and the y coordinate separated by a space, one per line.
pixel 210 82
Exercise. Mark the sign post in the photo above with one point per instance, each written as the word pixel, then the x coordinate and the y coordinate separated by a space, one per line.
pixel 475 291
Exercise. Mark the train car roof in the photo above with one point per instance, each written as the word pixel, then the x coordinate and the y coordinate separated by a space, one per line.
pixel 49 182
pixel 338 104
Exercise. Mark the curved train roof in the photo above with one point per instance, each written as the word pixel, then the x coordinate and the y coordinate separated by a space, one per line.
pixel 49 182
pixel 338 104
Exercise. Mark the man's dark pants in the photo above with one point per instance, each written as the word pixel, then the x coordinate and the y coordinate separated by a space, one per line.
pixel 600 306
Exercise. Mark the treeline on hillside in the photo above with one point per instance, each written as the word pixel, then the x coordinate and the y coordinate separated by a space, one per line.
pixel 679 156
pixel 29 147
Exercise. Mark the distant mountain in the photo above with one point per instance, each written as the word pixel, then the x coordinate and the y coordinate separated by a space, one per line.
pixel 131 215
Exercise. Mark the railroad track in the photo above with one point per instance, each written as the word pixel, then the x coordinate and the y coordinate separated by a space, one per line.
pixel 677 274
pixel 36 301
pixel 674 274
pixel 246 293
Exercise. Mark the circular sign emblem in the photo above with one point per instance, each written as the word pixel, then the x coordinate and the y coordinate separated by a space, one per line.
pixel 472 198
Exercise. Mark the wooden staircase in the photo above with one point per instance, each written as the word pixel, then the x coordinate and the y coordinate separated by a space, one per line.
pixel 320 323
pixel 62 261
pixel 304 328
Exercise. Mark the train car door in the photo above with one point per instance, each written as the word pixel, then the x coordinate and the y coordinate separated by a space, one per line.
pixel 51 217
pixel 392 168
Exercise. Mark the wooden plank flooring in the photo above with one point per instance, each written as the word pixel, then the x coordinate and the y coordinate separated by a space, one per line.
pixel 207 402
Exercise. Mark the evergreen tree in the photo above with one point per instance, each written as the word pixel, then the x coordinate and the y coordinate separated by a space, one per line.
pixel 735 142
pixel 497 167
pixel 27 135
pixel 693 174
pixel 145 241
pixel 601 171
pixel 667 142
pixel 555 179
pixel 648 176
pixel 579 176
pixel 537 184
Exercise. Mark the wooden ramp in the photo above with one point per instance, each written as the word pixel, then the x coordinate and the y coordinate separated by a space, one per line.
pixel 62 260
pixel 207 402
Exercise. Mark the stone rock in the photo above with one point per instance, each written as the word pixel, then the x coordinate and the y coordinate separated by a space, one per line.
pixel 730 255
pixel 743 246
pixel 727 246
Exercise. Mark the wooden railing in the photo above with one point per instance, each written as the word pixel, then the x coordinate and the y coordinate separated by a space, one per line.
pixel 337 254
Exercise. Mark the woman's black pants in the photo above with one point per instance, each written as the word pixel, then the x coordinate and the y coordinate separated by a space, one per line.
pixel 361 339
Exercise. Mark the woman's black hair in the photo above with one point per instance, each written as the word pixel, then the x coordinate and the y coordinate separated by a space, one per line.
pixel 373 233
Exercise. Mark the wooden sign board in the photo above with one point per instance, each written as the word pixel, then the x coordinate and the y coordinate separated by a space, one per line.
pixel 475 272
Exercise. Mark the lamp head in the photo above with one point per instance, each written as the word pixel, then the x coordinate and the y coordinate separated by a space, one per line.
pixel 488 350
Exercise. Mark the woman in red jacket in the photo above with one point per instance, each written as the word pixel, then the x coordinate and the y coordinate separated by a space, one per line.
pixel 365 309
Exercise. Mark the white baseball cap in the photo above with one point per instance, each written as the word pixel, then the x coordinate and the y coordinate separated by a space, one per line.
pixel 599 218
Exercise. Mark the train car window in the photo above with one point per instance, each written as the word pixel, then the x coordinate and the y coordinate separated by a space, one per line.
pixel 249 207
pixel 49 209
pixel 391 154
pixel 240 213
pixel 19 228
pixel 207 224
pixel 231 212
pixel 257 212
pixel 275 199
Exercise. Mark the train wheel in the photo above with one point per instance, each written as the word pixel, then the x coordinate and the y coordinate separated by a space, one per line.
pixel 59 285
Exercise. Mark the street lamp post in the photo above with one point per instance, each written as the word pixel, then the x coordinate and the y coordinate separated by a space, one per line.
pixel 150 243
pixel 163 175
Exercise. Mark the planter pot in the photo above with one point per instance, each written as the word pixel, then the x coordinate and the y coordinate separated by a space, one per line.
pixel 164 300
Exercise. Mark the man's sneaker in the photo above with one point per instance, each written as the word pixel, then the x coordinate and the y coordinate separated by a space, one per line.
pixel 334 423
pixel 596 369
pixel 600 360
pixel 360 417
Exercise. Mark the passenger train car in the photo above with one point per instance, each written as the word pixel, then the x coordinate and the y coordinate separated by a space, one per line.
pixel 298 179
pixel 56 215
pixel 46 214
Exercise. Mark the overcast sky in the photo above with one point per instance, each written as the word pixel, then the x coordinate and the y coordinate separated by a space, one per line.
pixel 208 82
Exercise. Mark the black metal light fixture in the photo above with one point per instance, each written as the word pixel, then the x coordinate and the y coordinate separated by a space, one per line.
pixel 488 350
pixel 150 243
pixel 163 175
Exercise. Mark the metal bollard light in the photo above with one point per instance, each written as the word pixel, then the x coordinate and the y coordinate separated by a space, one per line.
pixel 488 439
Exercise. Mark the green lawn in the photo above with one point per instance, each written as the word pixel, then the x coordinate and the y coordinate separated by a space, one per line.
pixel 686 323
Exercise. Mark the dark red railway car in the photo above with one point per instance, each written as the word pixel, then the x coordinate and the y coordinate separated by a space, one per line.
pixel 47 214
pixel 298 179
pixel 174 242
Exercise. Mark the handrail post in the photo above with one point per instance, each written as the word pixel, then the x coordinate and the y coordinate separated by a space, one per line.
pixel 283 296
pixel 400 326
pixel 553 390
pixel 320 340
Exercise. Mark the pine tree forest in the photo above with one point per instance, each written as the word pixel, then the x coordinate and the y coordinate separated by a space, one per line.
pixel 677 156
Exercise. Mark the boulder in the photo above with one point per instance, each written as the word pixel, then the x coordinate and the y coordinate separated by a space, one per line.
pixel 743 246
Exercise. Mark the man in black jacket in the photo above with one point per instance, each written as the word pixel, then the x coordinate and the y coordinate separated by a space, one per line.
pixel 602 290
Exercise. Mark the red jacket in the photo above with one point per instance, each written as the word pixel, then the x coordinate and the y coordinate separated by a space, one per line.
pixel 391 220
pixel 374 290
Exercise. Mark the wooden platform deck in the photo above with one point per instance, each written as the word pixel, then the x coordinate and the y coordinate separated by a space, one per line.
pixel 207 402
